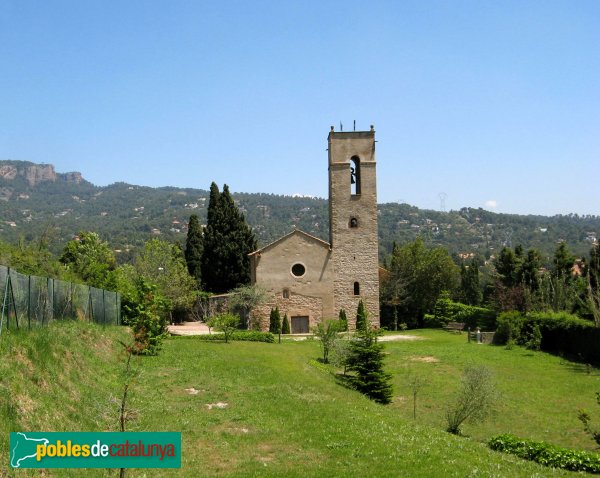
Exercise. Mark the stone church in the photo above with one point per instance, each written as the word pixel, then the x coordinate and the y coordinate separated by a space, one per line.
pixel 310 279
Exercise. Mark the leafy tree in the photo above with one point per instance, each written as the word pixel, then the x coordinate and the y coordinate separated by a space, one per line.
pixel 193 248
pixel 327 332
pixel 227 242
pixel 90 258
pixel 366 361
pixel 343 320
pixel 361 316
pixel 143 310
pixel 244 300
pixel 163 264
pixel 275 321
pixel 421 274
pixel 226 323
pixel 285 325
pixel 475 399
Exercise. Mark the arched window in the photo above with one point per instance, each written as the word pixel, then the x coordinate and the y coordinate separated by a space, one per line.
pixel 354 175
pixel 356 288
pixel 353 222
pixel 286 293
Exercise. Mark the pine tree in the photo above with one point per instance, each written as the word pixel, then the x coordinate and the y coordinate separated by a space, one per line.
pixel 193 248
pixel 285 325
pixel 563 261
pixel 227 242
pixel 366 360
pixel 275 321
pixel 343 321
pixel 361 317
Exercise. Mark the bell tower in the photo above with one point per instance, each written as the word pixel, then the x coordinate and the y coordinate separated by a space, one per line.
pixel 353 222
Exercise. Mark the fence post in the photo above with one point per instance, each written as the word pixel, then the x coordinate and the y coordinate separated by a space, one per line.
pixel 29 302
pixel 14 302
pixel 71 300
pixel 103 307
pixel 4 300
pixel 90 304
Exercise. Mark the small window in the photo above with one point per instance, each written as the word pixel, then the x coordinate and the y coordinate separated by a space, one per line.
pixel 286 293
pixel 353 222
pixel 298 270
pixel 356 288
pixel 355 175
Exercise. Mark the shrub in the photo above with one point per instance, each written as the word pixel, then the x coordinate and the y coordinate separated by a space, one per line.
pixel 561 333
pixel 446 310
pixel 143 310
pixel 509 328
pixel 275 321
pixel 238 335
pixel 327 332
pixel 361 316
pixel 588 426
pixel 285 325
pixel 475 399
pixel 226 323
pixel 343 320
pixel 546 454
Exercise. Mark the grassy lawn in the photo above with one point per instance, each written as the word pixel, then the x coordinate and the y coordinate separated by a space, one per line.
pixel 284 416
pixel 540 393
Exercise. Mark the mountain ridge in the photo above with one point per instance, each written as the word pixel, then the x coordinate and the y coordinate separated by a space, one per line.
pixel 34 199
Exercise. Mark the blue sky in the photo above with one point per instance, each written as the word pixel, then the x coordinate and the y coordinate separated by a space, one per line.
pixel 496 104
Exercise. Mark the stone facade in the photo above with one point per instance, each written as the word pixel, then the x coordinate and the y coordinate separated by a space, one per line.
pixel 311 279
pixel 294 306
pixel 353 221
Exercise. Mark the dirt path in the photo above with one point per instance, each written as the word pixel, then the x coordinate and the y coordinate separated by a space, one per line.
pixel 200 328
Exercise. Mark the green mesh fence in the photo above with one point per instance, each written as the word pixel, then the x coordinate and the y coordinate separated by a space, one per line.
pixel 31 301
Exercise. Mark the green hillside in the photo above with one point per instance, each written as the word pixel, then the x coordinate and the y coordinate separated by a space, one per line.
pixel 284 416
pixel 128 215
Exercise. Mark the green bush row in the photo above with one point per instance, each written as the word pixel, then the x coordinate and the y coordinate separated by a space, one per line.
pixel 546 454
pixel 241 335
pixel 446 310
pixel 561 333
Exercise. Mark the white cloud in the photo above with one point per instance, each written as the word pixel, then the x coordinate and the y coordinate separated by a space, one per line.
pixel 491 203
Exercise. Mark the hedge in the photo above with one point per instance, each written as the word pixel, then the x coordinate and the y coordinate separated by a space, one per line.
pixel 562 333
pixel 446 310
pixel 547 454
pixel 240 335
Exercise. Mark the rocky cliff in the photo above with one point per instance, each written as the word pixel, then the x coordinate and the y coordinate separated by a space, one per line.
pixel 36 173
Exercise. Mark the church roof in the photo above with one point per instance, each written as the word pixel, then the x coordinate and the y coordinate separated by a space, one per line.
pixel 306 235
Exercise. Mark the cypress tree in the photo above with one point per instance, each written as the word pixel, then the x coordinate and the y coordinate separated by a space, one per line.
pixel 275 321
pixel 193 248
pixel 285 325
pixel 361 316
pixel 227 242
pixel 469 283
pixel 343 321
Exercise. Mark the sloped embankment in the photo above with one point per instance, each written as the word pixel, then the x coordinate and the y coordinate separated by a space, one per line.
pixel 64 377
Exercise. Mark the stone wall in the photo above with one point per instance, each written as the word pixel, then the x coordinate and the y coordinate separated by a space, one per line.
pixel 295 305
